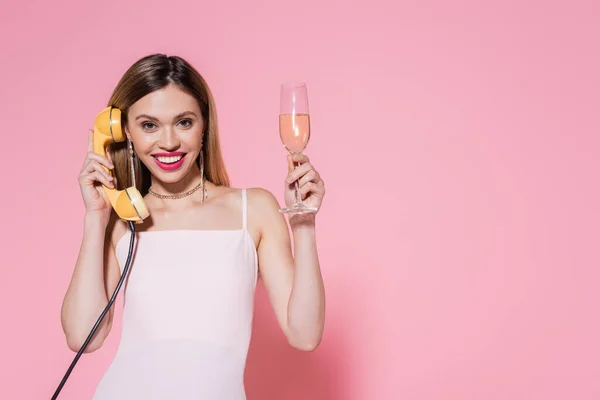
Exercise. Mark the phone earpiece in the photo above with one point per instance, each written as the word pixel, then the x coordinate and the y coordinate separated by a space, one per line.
pixel 129 203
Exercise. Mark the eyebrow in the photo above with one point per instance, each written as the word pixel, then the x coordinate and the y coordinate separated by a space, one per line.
pixel 181 115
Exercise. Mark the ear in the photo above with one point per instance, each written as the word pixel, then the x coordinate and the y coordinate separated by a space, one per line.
pixel 126 130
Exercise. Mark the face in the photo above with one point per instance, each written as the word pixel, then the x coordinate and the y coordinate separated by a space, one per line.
pixel 166 127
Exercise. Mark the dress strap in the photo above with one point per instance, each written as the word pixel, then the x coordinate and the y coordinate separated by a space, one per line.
pixel 244 209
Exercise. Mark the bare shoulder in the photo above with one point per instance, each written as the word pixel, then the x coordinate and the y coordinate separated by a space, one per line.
pixel 263 213
pixel 262 201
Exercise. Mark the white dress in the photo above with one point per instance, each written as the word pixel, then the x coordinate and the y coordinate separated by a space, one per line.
pixel 187 316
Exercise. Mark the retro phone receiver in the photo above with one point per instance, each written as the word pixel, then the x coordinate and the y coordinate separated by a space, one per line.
pixel 128 203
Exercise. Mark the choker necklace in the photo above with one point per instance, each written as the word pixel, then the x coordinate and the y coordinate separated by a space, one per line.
pixel 181 195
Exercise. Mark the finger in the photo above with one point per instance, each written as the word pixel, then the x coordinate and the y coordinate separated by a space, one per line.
pixel 94 178
pixel 99 177
pixel 307 188
pixel 88 167
pixel 100 159
pixel 310 176
pixel 94 167
pixel 90 140
pixel 298 172
pixel 290 163
pixel 90 146
pixel 103 172
pixel 300 158
pixel 321 184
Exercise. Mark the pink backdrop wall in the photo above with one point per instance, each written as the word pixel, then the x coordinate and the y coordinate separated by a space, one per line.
pixel 459 144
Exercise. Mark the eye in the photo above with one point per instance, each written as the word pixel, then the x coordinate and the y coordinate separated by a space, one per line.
pixel 187 123
pixel 148 126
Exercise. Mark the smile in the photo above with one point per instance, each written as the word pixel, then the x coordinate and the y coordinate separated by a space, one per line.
pixel 169 161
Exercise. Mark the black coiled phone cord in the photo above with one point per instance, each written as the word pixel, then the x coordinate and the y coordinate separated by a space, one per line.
pixel 110 303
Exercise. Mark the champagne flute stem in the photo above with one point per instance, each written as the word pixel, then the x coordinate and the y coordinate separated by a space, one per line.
pixel 297 188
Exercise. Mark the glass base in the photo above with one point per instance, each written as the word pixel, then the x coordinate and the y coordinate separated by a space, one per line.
pixel 298 209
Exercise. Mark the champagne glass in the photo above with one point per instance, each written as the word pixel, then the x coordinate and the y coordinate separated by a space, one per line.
pixel 294 131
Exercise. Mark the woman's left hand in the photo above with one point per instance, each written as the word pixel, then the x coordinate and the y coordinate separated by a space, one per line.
pixel 311 186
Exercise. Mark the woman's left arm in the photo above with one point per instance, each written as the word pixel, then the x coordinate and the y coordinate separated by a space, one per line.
pixel 293 282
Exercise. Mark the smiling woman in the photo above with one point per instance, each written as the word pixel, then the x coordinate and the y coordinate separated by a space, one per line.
pixel 171 160
pixel 190 293
pixel 168 142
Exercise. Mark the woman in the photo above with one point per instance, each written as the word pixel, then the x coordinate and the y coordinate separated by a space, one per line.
pixel 189 296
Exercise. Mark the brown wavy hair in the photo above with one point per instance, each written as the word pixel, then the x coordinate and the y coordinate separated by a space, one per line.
pixel 151 73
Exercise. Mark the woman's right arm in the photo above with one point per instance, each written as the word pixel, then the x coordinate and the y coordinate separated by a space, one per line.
pixel 97 271
pixel 94 279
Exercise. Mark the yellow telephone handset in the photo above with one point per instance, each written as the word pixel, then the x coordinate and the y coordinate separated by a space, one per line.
pixel 129 203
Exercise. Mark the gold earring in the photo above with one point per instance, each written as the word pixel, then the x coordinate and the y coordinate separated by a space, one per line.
pixel 131 166
pixel 204 191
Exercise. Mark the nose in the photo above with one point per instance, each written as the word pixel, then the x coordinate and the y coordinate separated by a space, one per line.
pixel 169 140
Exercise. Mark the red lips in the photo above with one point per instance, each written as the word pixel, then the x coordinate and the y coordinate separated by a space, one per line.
pixel 171 166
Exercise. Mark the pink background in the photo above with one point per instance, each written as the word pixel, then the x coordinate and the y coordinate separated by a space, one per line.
pixel 459 144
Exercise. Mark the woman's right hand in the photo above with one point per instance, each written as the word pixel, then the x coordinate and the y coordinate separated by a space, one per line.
pixel 92 176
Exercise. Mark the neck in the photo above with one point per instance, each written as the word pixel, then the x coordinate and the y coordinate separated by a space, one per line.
pixel 190 181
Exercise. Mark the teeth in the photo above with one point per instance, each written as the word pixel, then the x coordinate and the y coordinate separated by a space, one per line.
pixel 169 160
